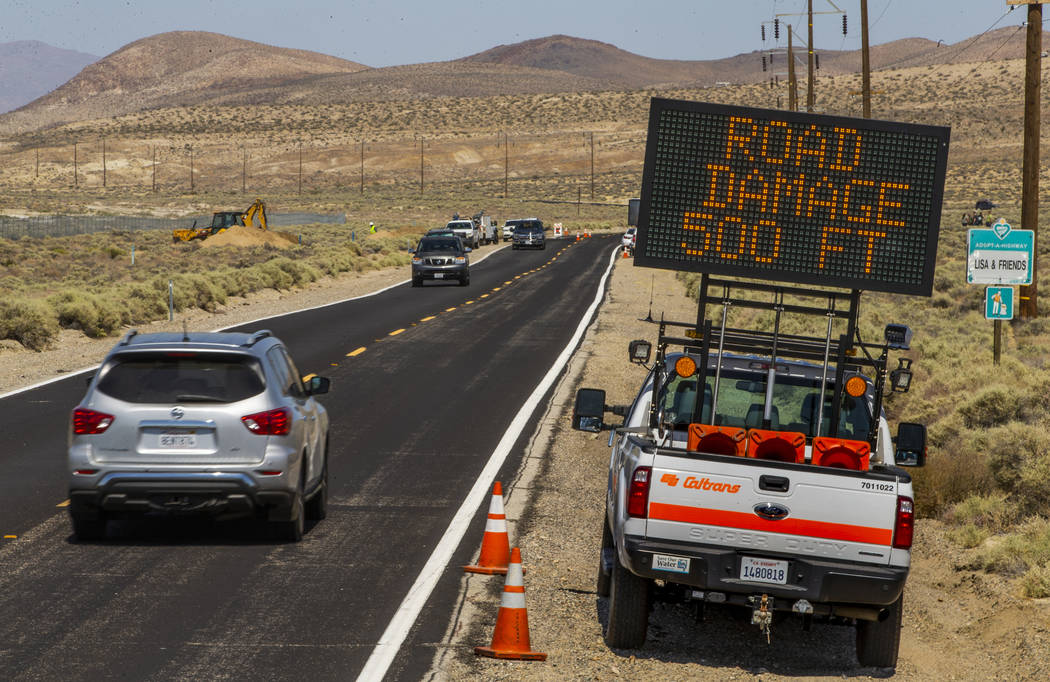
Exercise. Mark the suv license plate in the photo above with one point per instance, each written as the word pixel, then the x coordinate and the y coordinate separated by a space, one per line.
pixel 763 570
pixel 168 440
pixel 439 275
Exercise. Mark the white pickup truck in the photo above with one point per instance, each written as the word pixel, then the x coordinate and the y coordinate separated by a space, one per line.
pixel 466 230
pixel 752 496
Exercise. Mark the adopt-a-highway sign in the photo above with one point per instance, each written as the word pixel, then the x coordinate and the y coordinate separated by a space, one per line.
pixel 1000 255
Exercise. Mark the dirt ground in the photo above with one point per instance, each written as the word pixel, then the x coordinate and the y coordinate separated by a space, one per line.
pixel 958 624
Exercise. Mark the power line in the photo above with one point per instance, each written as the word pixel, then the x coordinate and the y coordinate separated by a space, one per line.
pixel 956 56
pixel 1008 39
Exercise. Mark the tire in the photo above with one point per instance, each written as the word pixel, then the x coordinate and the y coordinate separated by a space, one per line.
pixel 317 508
pixel 628 609
pixel 604 579
pixel 464 281
pixel 879 641
pixel 88 529
pixel 416 282
pixel 292 531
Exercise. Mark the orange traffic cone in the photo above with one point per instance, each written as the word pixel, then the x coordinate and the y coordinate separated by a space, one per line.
pixel 510 639
pixel 626 253
pixel 495 546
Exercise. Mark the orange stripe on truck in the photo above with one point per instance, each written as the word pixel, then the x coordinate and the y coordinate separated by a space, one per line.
pixel 744 521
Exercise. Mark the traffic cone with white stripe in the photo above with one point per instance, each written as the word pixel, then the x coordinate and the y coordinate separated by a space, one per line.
pixel 495 545
pixel 510 639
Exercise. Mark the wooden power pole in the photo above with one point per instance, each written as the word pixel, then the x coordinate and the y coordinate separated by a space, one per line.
pixel 809 49
pixel 865 64
pixel 792 82
pixel 1029 303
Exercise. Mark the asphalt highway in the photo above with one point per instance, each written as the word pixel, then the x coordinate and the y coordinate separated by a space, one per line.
pixel 424 384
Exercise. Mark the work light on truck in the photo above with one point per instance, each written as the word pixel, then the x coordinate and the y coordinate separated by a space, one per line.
pixel 898 336
pixel 639 351
pixel 900 378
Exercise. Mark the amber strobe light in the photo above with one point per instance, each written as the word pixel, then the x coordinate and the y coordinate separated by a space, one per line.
pixel 856 386
pixel 685 366
pixel 791 197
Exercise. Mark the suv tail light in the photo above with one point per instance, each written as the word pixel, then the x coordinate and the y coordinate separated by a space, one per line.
pixel 638 495
pixel 905 526
pixel 87 422
pixel 270 423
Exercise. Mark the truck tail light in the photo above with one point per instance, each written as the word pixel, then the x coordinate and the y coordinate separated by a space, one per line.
pixel 270 423
pixel 638 495
pixel 905 526
pixel 88 422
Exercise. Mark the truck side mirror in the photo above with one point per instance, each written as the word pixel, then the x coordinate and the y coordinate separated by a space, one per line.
pixel 589 410
pixel 911 445
pixel 318 385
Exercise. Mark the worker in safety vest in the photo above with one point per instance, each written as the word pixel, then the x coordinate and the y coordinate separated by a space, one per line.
pixel 372 228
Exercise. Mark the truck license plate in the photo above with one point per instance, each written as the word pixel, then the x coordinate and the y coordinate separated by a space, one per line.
pixel 763 570
pixel 179 441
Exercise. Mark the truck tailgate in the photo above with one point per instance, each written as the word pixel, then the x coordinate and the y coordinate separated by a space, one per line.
pixel 771 507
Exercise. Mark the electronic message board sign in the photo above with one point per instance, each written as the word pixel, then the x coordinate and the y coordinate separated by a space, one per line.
pixel 792 197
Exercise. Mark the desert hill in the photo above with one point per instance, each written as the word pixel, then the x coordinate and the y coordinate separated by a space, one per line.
pixel 30 68
pixel 173 69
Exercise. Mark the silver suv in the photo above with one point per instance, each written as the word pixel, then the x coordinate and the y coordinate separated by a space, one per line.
pixel 199 423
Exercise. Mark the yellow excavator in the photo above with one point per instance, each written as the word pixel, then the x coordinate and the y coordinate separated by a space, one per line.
pixel 221 220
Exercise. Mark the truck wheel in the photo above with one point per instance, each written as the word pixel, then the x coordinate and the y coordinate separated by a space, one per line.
pixel 87 529
pixel 879 641
pixel 628 609
pixel 317 508
pixel 604 577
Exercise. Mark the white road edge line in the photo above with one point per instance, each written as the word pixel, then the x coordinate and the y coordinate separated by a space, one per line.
pixel 394 636
pixel 92 368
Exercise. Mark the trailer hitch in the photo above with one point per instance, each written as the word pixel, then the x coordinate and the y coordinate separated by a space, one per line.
pixel 762 613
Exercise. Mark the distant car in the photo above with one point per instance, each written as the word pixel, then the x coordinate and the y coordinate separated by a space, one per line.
pixel 440 257
pixel 467 230
pixel 200 423
pixel 630 237
pixel 510 225
pixel 529 236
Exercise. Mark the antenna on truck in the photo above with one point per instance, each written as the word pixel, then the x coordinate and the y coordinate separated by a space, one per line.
pixel 649 316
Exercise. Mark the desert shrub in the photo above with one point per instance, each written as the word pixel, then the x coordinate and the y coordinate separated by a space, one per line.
pixel 274 276
pixel 1018 455
pixel 94 315
pixel 28 322
pixel 1018 552
pixel 990 512
pixel 114 252
pixel 992 406
pixel 193 291
pixel 1035 583
pixel 144 304
pixel 301 272
pixel 950 477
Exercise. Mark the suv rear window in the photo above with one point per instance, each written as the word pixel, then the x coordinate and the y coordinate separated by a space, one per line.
pixel 182 377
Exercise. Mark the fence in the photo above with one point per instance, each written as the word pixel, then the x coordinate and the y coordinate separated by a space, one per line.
pixel 67 225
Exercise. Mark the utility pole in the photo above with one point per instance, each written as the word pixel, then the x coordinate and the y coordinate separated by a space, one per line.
pixel 362 166
pixel 792 82
pixel 75 180
pixel 809 47
pixel 420 164
pixel 506 163
pixel 865 64
pixel 1029 307
pixel 592 166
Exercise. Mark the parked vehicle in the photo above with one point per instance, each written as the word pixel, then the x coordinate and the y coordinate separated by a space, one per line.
pixel 223 220
pixel 440 257
pixel 629 239
pixel 488 230
pixel 199 423
pixel 755 471
pixel 466 230
pixel 529 235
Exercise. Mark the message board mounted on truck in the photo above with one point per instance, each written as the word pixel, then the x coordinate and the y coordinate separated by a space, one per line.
pixel 755 468
pixel 792 197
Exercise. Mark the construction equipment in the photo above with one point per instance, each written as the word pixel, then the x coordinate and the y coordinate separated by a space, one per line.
pixel 221 221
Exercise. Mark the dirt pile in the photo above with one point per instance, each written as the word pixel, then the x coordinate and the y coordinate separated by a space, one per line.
pixel 242 235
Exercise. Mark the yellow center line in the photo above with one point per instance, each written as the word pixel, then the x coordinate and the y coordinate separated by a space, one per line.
pixel 356 352
pixel 449 310
pixel 395 332
pixel 507 282
pixel 484 296
pixel 428 318
pixel 517 276
pixel 10 537
pixel 63 504
pixel 468 302
pixel 496 288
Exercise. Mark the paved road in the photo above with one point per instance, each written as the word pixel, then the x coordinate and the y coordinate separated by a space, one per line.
pixel 415 416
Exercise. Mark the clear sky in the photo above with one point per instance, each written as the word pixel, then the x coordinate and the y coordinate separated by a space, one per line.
pixel 391 32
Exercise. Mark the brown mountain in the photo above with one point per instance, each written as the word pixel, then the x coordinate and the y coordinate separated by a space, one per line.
pixel 30 68
pixel 172 69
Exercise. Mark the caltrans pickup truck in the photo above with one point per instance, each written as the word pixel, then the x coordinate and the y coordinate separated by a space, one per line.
pixel 757 469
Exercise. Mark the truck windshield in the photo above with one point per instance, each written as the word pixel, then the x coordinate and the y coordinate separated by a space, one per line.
pixel 741 398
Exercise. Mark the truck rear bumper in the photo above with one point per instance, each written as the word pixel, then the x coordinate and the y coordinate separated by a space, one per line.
pixel 815 580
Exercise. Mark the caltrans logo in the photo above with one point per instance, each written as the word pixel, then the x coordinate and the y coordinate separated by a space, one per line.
pixel 669 479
